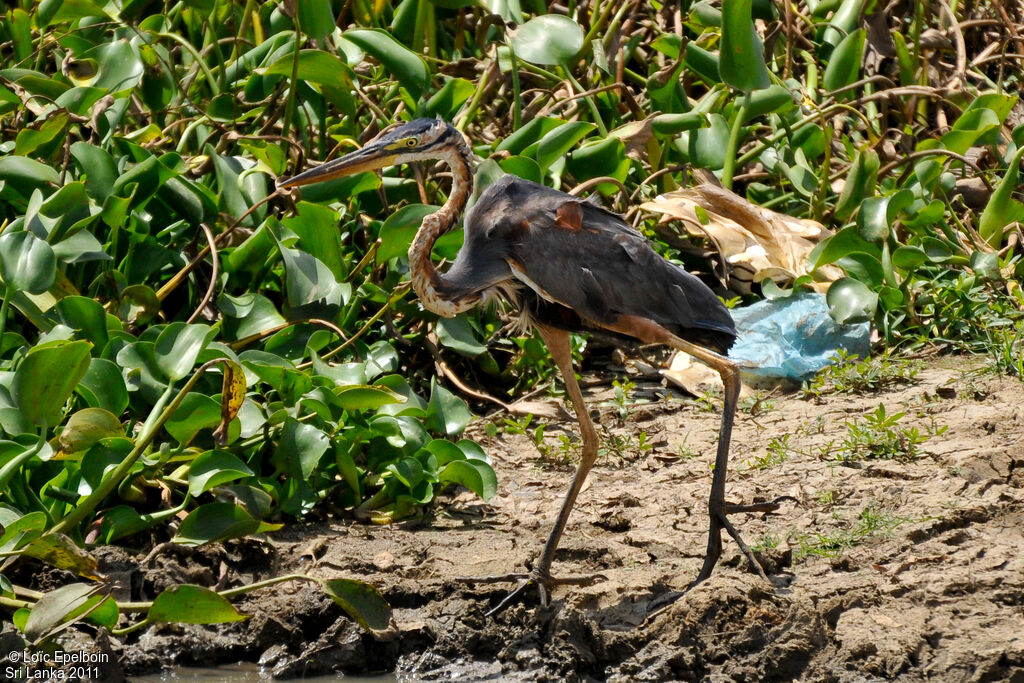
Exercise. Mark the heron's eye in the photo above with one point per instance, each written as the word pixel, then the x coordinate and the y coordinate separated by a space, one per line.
pixel 411 142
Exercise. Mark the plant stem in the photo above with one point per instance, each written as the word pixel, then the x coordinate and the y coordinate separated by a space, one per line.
pixel 734 143
pixel 113 480
pixel 590 103
pixel 3 314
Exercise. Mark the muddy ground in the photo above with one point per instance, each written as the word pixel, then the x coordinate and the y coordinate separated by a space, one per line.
pixel 880 569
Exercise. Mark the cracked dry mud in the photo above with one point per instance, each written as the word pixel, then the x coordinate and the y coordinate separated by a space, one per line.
pixel 925 580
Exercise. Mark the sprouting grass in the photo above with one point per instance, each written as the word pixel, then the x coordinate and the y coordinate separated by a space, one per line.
pixel 851 375
pixel 869 522
pixel 879 435
pixel 775 453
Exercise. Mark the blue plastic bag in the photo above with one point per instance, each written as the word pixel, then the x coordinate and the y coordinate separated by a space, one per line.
pixel 793 337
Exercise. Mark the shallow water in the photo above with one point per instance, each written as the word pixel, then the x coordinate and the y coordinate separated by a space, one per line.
pixel 244 673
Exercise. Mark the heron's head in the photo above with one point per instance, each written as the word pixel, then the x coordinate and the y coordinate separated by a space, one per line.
pixel 413 141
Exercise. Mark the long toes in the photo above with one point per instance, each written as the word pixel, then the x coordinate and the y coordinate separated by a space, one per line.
pixel 541 581
pixel 500 578
pixel 515 595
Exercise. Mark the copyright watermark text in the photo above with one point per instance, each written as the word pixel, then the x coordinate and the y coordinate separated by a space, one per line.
pixel 59 665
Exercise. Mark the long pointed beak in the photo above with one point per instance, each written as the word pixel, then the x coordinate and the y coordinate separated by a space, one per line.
pixel 369 158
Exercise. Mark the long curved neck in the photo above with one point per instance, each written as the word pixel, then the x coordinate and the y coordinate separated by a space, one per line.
pixel 429 284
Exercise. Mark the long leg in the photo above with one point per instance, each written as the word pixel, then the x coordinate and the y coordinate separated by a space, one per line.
pixel 558 345
pixel 557 342
pixel 718 510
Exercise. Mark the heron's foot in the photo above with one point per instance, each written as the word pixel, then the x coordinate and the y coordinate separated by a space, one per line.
pixel 542 581
pixel 719 521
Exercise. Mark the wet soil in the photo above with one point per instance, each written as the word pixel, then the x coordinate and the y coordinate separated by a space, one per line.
pixel 879 569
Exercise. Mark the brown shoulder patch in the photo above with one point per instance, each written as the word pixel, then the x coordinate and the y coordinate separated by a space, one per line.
pixel 569 216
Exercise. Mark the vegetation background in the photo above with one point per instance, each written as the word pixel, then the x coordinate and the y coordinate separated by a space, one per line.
pixel 186 355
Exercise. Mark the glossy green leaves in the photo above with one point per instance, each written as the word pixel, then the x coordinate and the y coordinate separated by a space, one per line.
pixel 1002 209
pixel 844 66
pixel 741 59
pixel 407 66
pixel 27 263
pixel 548 39
pixel 46 377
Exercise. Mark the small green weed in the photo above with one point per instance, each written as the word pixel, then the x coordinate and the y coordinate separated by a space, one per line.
pixel 685 451
pixel 625 446
pixel 622 400
pixel 706 402
pixel 768 541
pixel 775 454
pixel 849 375
pixel 878 435
pixel 870 522
pixel 1005 345
pixel 561 453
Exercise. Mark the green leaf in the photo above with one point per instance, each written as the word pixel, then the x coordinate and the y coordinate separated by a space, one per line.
pixel 860 183
pixel 25 175
pixel 475 475
pixel 355 397
pixel 195 413
pixel 408 67
pixel 22 530
pixel 248 315
pixel 120 65
pixel 444 451
pixel 550 39
pixel 598 158
pixel 46 377
pixel 741 58
pixel 409 471
pixel 457 335
pixel 85 314
pixel 555 144
pixel 1002 209
pixel 985 265
pixel 178 347
pixel 909 257
pixel 972 126
pixel 52 12
pixel 878 215
pixel 316 18
pixel 703 63
pixel 27 263
pixel 446 412
pixel 844 66
pixel 361 601
pixel 850 301
pixel 314 66
pixel 528 135
pixel 102 386
pixel 310 285
pixel 40 142
pixel 445 103
pixel 399 228
pixel 188 604
pixel 121 521
pixel 300 448
pixel 317 228
pixel 217 522
pixel 673 124
pixel 214 468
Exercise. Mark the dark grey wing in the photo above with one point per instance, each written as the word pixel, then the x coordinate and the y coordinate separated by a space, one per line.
pixel 573 253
